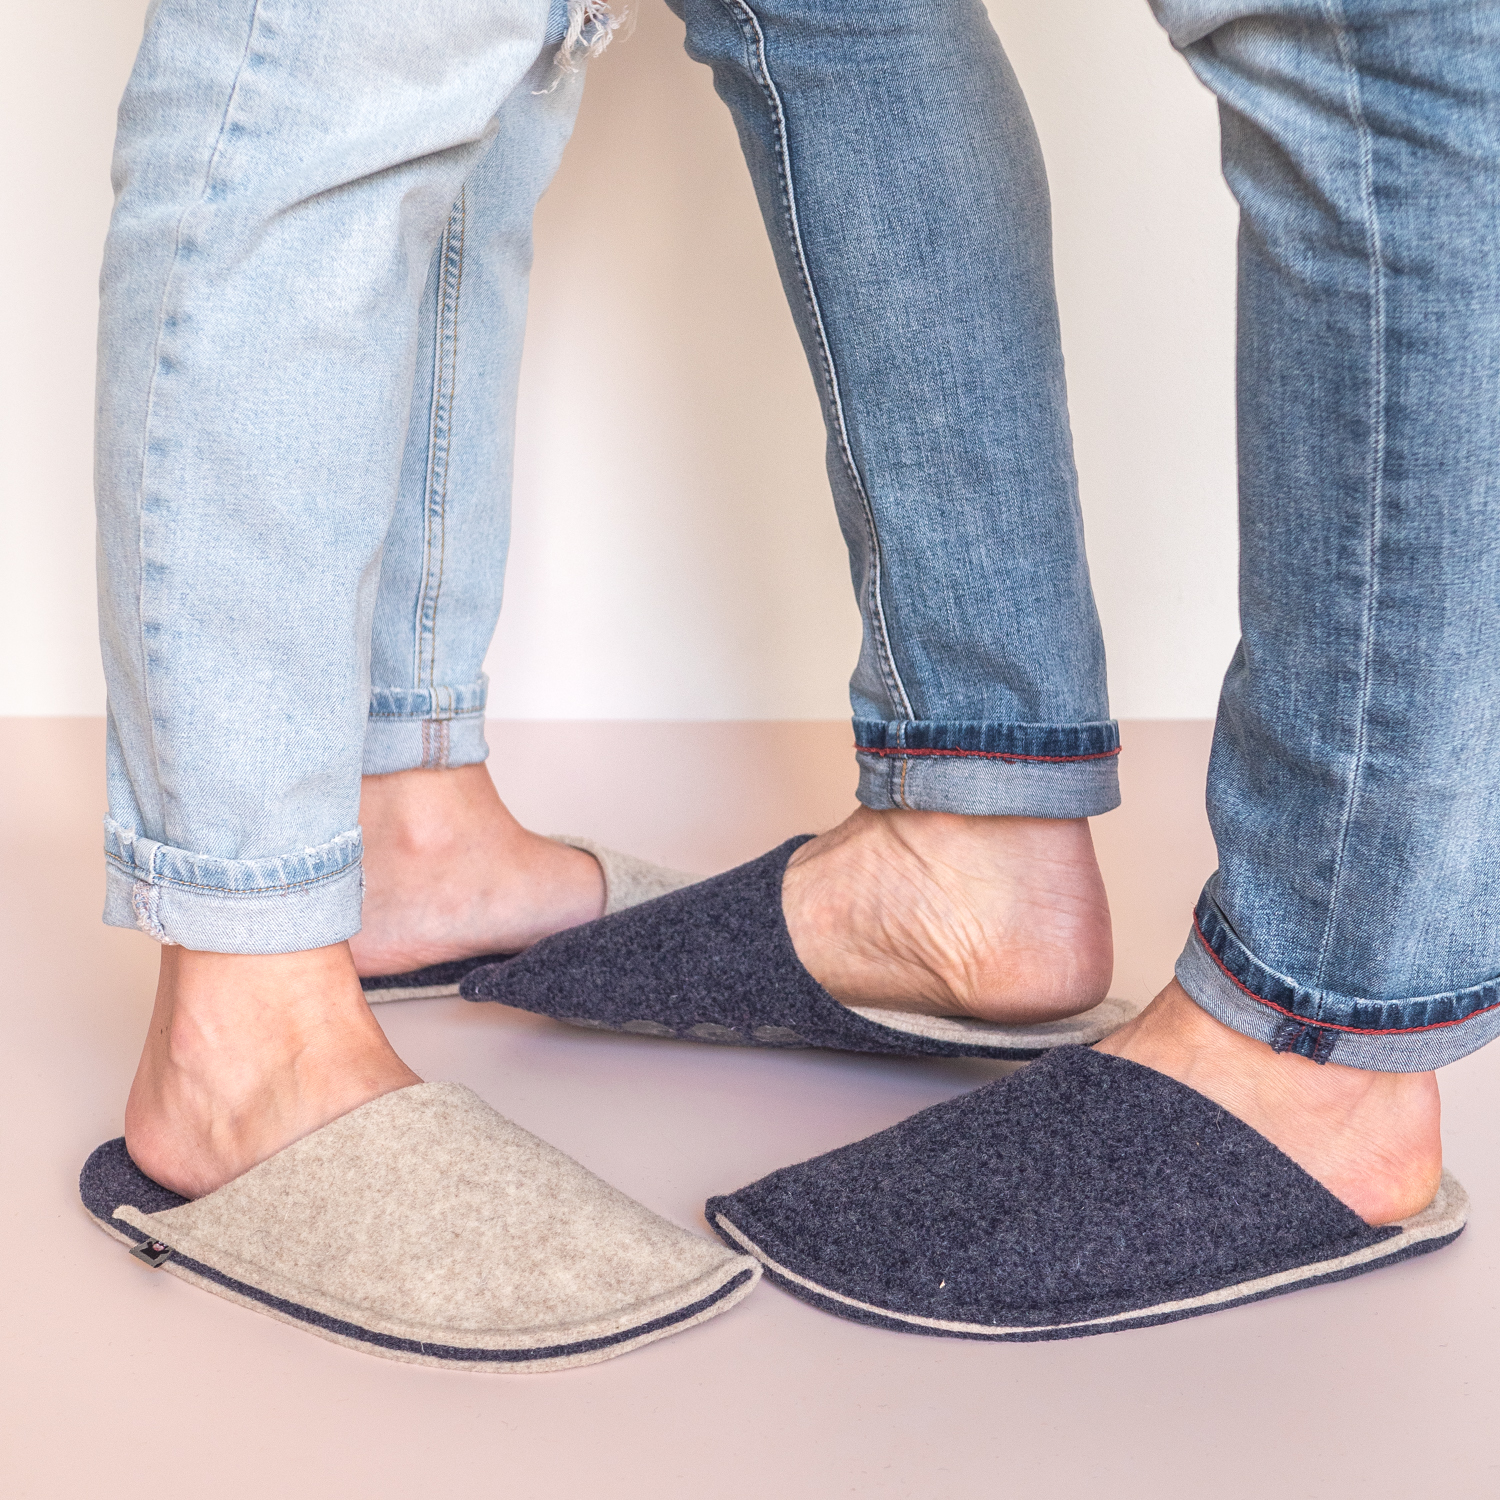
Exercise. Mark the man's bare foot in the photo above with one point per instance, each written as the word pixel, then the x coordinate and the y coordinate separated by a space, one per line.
pixel 1372 1139
pixel 246 1054
pixel 1002 919
pixel 449 873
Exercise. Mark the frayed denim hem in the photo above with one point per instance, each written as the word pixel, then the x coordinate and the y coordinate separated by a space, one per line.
pixel 284 904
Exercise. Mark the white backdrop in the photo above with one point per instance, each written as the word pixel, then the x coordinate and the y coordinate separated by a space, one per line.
pixel 675 552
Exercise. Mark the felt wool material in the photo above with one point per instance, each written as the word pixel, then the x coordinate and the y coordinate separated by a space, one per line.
pixel 715 963
pixel 426 1227
pixel 627 882
pixel 1083 1194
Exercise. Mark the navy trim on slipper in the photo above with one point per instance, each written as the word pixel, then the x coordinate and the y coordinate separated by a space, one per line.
pixel 1080 1195
pixel 714 962
pixel 110 1179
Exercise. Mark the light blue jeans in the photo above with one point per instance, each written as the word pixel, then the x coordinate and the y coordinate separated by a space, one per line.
pixel 286 550
pixel 313 301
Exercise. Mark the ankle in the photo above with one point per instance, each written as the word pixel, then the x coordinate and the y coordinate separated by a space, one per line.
pixel 266 1009
pixel 1373 1139
pixel 429 812
pixel 247 1053
pixel 998 918
pixel 449 873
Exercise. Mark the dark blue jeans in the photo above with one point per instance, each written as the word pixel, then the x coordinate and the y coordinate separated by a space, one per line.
pixel 1354 789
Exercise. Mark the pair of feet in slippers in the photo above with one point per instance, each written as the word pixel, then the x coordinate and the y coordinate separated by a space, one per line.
pixel 1092 1190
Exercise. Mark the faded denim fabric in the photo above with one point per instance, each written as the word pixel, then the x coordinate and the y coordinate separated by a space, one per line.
pixel 1353 914
pixel 902 186
pixel 443 570
pixel 283 258
pixel 1353 791
pixel 267 568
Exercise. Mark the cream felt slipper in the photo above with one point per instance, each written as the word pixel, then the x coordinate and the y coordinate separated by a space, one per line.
pixel 425 1227
pixel 628 881
pixel 715 963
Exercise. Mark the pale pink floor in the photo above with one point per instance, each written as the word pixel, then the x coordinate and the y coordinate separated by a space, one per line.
pixel 121 1382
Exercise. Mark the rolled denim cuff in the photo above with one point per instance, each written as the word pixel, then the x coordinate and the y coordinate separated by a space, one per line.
pixel 281 905
pixel 416 728
pixel 996 770
pixel 1383 1036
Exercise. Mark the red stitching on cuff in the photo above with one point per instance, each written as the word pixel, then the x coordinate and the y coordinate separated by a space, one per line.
pixel 1332 1025
pixel 986 754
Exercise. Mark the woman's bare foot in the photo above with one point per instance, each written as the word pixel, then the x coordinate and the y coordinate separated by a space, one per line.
pixel 1372 1139
pixel 246 1054
pixel 1003 919
pixel 449 873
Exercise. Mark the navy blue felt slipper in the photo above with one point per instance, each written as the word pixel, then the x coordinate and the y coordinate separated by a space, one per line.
pixel 715 963
pixel 627 882
pixel 1081 1195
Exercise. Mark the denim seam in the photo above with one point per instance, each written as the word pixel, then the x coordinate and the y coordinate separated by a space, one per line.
pixel 436 718
pixel 905 754
pixel 145 901
pixel 1333 10
pixel 436 743
pixel 151 877
pixel 444 388
pixel 1332 1025
pixel 742 13
pixel 156 357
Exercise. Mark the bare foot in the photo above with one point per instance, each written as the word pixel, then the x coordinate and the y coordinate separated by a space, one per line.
pixel 246 1054
pixel 449 873
pixel 1003 919
pixel 1372 1139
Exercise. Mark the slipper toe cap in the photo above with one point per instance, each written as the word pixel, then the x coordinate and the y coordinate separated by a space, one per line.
pixel 1083 1193
pixel 428 1227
